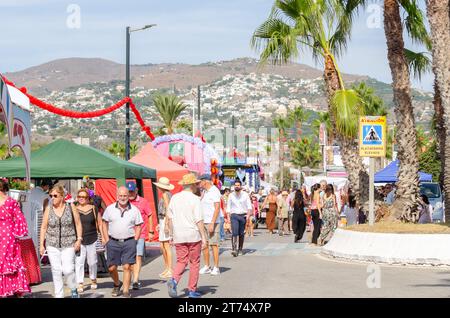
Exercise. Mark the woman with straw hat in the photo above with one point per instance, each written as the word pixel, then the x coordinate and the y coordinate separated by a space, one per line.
pixel 164 187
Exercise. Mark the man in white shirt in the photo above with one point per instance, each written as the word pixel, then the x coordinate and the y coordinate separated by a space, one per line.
pixel 210 202
pixel 187 230
pixel 122 222
pixel 240 208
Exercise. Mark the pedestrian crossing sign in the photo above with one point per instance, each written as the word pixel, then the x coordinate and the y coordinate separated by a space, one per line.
pixel 372 136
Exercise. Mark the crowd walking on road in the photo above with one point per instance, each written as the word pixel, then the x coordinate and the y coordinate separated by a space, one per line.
pixel 193 223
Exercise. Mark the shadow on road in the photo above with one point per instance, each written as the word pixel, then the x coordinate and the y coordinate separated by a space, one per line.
pixel 40 294
pixel 445 283
pixel 204 290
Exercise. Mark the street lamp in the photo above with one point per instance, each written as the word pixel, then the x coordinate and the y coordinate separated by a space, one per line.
pixel 127 88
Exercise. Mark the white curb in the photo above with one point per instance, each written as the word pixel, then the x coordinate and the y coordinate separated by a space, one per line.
pixel 390 248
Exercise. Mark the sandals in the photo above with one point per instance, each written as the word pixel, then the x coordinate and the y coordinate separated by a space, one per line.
pixel 80 288
pixel 94 285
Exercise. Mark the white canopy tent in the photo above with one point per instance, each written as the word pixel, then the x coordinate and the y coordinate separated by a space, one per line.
pixel 339 183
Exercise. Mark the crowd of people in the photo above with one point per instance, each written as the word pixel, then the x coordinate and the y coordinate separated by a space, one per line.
pixel 193 222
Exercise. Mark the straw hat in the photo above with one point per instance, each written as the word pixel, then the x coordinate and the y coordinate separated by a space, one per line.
pixel 189 178
pixel 164 183
pixel 284 193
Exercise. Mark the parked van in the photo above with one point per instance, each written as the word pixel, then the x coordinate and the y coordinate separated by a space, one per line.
pixel 433 191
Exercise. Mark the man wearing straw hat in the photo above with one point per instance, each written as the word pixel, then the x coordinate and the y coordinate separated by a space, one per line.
pixel 188 234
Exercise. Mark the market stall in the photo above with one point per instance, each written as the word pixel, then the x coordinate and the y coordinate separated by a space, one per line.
pixel 190 152
pixel 66 160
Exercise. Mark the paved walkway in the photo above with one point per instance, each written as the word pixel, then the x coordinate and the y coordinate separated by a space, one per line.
pixel 275 267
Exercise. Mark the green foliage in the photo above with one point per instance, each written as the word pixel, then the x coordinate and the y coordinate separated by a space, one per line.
pixel 429 161
pixel 287 178
pixel 118 149
pixel 305 152
pixel 373 105
pixel 184 126
pixel 169 108
pixel 419 63
pixel 18 184
pixel 347 107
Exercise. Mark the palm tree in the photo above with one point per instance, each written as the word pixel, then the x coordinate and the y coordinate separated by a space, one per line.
pixel 324 118
pixel 438 16
pixel 373 104
pixel 298 116
pixel 169 108
pixel 184 125
pixel 118 149
pixel 322 26
pixel 283 124
pixel 407 192
pixel 305 152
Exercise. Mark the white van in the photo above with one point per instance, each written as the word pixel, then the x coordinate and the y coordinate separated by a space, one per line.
pixel 433 191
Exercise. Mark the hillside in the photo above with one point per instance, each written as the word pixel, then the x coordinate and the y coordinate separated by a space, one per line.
pixel 229 88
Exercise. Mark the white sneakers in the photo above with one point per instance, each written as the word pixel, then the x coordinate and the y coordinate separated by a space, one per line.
pixel 207 270
pixel 215 271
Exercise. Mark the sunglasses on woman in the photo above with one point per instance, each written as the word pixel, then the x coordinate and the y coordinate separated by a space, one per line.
pixel 82 197
pixel 53 195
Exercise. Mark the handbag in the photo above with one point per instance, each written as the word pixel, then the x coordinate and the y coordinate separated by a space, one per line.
pixel 227 227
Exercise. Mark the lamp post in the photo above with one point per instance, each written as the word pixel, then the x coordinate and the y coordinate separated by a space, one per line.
pixel 127 88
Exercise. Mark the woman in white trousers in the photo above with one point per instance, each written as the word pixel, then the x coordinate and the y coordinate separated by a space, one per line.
pixel 62 232
pixel 91 224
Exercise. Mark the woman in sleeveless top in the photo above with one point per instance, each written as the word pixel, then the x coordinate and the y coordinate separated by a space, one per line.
pixel 315 212
pixel 164 187
pixel 271 199
pixel 61 229
pixel 299 217
pixel 329 215
pixel 92 225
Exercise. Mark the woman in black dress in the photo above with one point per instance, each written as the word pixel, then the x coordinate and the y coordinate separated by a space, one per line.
pixel 299 217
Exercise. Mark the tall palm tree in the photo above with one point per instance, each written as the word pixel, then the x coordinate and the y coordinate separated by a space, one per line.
pixel 322 26
pixel 298 116
pixel 438 12
pixel 169 108
pixel 407 192
pixel 283 124
pixel 324 118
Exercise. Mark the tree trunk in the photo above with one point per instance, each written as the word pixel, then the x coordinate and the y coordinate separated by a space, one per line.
pixel 407 191
pixel 440 128
pixel 357 175
pixel 439 19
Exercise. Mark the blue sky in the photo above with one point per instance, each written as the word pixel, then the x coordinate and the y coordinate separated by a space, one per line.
pixel 188 31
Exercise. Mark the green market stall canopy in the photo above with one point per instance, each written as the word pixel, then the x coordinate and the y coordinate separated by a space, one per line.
pixel 63 159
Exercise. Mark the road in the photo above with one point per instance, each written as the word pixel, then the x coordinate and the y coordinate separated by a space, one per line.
pixel 275 267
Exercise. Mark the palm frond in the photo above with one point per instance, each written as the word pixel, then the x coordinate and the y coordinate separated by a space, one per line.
pixel 347 107
pixel 169 108
pixel 419 63
pixel 414 23
pixel 277 41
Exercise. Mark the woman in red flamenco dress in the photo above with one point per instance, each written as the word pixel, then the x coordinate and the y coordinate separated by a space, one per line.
pixel 13 281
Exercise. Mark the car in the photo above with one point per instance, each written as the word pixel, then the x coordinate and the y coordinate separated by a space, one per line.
pixel 434 193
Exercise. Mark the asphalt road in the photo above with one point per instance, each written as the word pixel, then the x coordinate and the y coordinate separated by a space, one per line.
pixel 275 267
